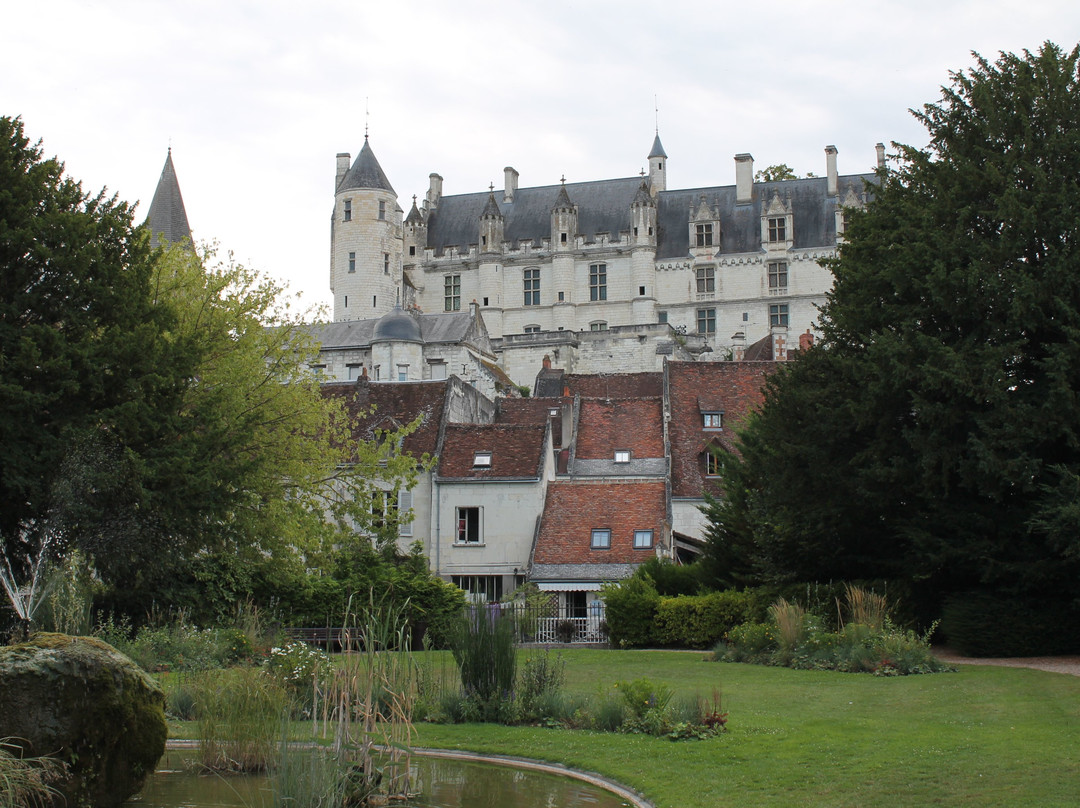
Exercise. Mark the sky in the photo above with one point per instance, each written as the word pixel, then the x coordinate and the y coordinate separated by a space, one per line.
pixel 256 98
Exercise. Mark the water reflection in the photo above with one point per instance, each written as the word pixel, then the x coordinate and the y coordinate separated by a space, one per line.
pixel 443 784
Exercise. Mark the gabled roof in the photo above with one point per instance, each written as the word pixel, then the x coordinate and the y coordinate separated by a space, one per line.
pixel 167 218
pixel 366 172
pixel 730 388
pixel 516 451
pixel 394 403
pixel 573 509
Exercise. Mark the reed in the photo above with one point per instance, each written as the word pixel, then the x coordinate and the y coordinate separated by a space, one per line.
pixel 238 719
pixel 865 608
pixel 27 782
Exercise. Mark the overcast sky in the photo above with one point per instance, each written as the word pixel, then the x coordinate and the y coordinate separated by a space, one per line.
pixel 256 98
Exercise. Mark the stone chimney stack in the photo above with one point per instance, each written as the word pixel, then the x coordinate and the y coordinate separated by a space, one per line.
pixel 343 159
pixel 434 193
pixel 830 169
pixel 510 184
pixel 880 155
pixel 744 178
pixel 738 346
pixel 547 361
pixel 806 341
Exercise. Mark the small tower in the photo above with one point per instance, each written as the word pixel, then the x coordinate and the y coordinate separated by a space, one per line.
pixel 167 218
pixel 657 167
pixel 564 221
pixel 415 236
pixel 564 228
pixel 643 254
pixel 491 225
pixel 492 222
pixel 366 240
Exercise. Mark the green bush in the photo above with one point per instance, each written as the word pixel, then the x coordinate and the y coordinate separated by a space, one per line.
pixel 630 609
pixel 982 625
pixel 699 621
pixel 539 678
pixel 485 653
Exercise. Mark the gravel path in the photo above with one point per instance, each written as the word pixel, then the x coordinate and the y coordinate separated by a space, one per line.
pixel 1063 664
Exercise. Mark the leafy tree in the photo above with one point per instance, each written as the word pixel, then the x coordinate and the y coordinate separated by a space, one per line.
pixel 777 173
pixel 933 434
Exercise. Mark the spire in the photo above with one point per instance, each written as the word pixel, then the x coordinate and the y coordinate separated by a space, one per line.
pixel 492 207
pixel 563 199
pixel 366 172
pixel 657 148
pixel 414 217
pixel 643 196
pixel 167 218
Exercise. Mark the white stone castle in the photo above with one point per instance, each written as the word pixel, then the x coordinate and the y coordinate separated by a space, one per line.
pixel 603 275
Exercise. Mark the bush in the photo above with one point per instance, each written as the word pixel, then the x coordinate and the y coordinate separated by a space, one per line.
pixel 980 624
pixel 485 653
pixel 630 608
pixel 541 677
pixel 699 621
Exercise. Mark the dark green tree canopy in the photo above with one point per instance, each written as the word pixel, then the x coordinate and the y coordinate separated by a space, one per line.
pixel 932 435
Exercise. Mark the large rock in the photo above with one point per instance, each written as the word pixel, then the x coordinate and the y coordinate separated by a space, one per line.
pixel 81 700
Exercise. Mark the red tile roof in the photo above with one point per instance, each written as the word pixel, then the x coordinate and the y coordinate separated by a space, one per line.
pixel 616 385
pixel 574 509
pixel 395 404
pixel 730 388
pixel 516 451
pixel 605 425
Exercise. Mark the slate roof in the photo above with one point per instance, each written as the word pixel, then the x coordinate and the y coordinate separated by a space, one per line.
pixel 573 509
pixel 452 327
pixel 395 404
pixel 731 388
pixel 167 218
pixel 516 451
pixel 603 206
pixel 580 572
pixel 366 172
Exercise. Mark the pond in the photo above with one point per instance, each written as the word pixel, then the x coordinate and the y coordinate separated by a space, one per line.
pixel 442 784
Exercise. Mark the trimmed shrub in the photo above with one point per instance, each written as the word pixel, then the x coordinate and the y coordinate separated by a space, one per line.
pixel 630 608
pixel 699 621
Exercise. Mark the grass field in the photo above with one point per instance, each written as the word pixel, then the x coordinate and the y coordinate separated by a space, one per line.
pixel 983 736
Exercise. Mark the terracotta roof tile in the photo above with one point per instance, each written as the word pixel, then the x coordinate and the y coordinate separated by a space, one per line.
pixel 626 423
pixel 516 451
pixel 616 385
pixel 395 404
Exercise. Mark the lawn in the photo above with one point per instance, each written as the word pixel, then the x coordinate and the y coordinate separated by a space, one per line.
pixel 980 737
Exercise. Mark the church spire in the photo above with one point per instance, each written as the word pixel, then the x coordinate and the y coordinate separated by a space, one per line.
pixel 167 218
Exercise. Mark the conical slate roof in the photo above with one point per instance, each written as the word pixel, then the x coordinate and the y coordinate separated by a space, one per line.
pixel 657 148
pixel 366 172
pixel 491 208
pixel 562 201
pixel 167 218
pixel 414 216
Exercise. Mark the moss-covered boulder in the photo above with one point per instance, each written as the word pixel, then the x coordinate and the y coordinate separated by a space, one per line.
pixel 84 702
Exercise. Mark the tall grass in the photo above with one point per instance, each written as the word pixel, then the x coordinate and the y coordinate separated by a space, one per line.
pixel 485 653
pixel 790 620
pixel 238 718
pixel 27 782
pixel 865 608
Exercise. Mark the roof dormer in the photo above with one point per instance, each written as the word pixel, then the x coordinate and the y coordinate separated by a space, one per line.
pixel 777 224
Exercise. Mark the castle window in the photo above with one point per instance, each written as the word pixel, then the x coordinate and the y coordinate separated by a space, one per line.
pixel 532 329
pixel 532 287
pixel 778 314
pixel 600 325
pixel 352 262
pixel 598 282
pixel 412 249
pixel 706 321
pixel 706 280
pixel 641 291
pixel 438 369
pixel 642 539
pixel 777 229
pixel 386 263
pixel 354 372
pixel 402 373
pixel 382 210
pixel 346 301
pixel 562 237
pixel 704 235
pixel 661 317
pixel 562 296
pixel 777 277
pixel 451 293
pixel 347 212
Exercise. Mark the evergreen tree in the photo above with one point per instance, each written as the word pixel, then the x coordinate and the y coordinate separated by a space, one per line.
pixel 933 433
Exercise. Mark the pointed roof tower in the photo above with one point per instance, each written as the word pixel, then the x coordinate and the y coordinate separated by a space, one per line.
pixel 657 148
pixel 414 217
pixel 366 172
pixel 167 218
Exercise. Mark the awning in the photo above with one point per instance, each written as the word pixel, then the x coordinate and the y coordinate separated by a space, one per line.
pixel 568 586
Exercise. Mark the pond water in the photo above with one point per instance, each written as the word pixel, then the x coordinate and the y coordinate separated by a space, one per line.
pixel 442 783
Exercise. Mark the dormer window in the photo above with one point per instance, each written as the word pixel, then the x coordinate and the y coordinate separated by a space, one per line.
pixel 712 420
pixel 704 235
pixel 481 460
pixel 622 455
pixel 777 229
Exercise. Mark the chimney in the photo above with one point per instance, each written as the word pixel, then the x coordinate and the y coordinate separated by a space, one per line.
pixel 547 362
pixel 744 178
pixel 880 155
pixel 342 168
pixel 738 346
pixel 473 308
pixel 510 183
pixel 806 341
pixel 434 193
pixel 830 169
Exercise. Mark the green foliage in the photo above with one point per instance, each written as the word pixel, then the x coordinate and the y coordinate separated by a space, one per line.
pixel 671 579
pixel 540 679
pixel 629 608
pixel 977 624
pixel 699 621
pixel 942 398
pixel 485 653
pixel 25 782
pixel 775 173
pixel 238 718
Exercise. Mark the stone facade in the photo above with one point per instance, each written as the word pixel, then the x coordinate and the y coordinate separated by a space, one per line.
pixel 721 266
